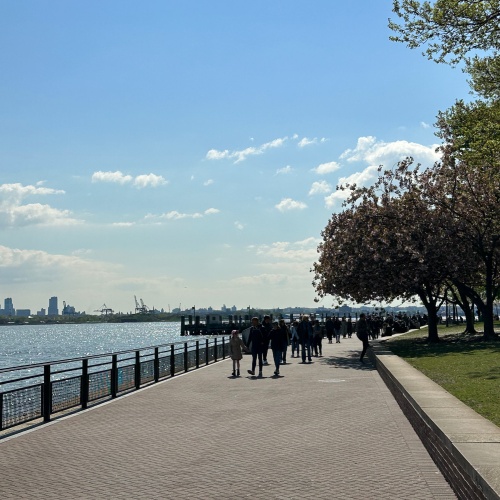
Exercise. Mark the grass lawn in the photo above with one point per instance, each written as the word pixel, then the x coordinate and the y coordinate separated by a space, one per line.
pixel 465 365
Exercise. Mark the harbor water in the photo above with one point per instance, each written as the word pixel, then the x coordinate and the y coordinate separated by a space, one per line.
pixel 31 344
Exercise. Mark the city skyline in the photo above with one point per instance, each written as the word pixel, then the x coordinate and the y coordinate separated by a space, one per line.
pixel 189 152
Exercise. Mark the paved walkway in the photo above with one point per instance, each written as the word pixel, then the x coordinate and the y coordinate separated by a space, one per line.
pixel 328 430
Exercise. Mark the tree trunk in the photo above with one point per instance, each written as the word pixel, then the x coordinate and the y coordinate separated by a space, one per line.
pixel 430 305
pixel 489 327
pixel 468 311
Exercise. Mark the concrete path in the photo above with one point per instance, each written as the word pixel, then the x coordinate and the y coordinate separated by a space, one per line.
pixel 328 430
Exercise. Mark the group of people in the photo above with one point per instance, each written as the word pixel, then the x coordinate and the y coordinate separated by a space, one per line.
pixel 305 337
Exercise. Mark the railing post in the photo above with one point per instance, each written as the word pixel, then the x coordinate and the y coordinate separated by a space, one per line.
pixel 137 370
pixel 215 350
pixel 172 360
pixel 156 364
pixel 197 354
pixel 207 354
pixel 47 394
pixel 1 412
pixel 114 375
pixel 186 357
pixel 223 347
pixel 84 394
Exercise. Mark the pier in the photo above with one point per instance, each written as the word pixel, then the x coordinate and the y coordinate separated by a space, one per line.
pixel 326 430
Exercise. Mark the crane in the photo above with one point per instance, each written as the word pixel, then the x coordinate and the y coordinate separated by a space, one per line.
pixel 140 308
pixel 104 309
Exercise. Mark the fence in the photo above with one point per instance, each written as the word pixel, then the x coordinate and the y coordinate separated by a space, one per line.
pixel 42 390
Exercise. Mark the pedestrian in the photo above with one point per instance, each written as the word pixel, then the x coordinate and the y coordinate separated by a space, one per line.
pixel 343 328
pixel 349 327
pixel 266 331
pixel 362 334
pixel 294 334
pixel 329 329
pixel 256 343
pixel 277 338
pixel 305 337
pixel 286 339
pixel 317 338
pixel 337 325
pixel 236 347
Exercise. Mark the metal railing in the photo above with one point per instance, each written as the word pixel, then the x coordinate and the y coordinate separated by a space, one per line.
pixel 38 391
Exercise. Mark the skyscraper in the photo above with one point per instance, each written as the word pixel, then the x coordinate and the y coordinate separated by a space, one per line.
pixel 8 307
pixel 53 310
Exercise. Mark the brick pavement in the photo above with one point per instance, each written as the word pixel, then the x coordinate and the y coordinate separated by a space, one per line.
pixel 329 430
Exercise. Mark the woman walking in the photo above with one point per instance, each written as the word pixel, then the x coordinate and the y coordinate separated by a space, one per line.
pixel 236 347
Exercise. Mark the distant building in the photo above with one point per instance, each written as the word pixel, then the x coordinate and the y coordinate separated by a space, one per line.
pixel 53 309
pixel 8 307
pixel 41 312
pixel 24 313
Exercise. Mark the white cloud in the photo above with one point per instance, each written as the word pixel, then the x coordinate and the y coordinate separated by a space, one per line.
pixel 117 177
pixel 123 224
pixel 284 170
pixel 149 180
pixel 175 215
pixel 261 280
pixel 299 251
pixel 374 152
pixel 211 211
pixel 243 154
pixel 208 182
pixel 326 168
pixel 38 266
pixel 363 178
pixel 424 125
pixel 140 181
pixel 288 204
pixel 14 214
pixel 321 187
pixel 238 225
pixel 305 141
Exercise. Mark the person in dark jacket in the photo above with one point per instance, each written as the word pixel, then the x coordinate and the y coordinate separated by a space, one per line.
pixel 256 343
pixel 278 339
pixel 266 331
pixel 330 331
pixel 362 334
pixel 305 337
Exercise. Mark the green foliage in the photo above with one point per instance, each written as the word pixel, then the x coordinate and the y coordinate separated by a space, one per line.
pixel 466 366
pixel 450 28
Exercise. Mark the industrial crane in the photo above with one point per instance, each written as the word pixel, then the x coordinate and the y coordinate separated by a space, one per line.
pixel 104 309
pixel 140 308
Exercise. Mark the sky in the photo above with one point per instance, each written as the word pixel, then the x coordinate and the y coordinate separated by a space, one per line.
pixel 188 152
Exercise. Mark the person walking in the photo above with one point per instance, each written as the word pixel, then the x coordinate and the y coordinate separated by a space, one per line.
pixel 337 325
pixel 343 328
pixel 277 338
pixel 286 340
pixel 266 331
pixel 256 343
pixel 236 347
pixel 362 334
pixel 294 334
pixel 305 337
pixel 329 329
pixel 318 338
pixel 349 327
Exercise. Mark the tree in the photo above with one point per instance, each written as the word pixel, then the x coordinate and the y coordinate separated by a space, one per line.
pixel 385 246
pixel 450 28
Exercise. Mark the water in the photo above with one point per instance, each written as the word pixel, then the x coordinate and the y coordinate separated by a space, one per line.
pixel 30 344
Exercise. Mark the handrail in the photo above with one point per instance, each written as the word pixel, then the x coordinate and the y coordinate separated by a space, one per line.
pixel 95 356
pixel 49 394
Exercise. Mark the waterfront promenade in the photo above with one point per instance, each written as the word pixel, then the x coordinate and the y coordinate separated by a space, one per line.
pixel 328 430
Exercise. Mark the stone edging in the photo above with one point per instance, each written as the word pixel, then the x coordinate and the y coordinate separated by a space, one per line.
pixel 464 445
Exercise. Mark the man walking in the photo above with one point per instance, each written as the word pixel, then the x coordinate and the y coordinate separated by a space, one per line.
pixel 256 343
pixel 305 337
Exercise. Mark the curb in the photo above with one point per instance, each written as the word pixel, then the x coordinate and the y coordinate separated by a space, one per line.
pixel 463 444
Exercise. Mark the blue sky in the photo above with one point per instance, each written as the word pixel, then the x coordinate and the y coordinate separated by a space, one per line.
pixel 188 152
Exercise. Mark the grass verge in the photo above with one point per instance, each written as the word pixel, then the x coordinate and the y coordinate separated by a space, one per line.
pixel 467 366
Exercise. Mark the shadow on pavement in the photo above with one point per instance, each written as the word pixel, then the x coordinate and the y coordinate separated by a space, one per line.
pixel 348 363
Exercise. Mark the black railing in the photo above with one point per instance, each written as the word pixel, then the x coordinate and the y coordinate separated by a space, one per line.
pixel 39 391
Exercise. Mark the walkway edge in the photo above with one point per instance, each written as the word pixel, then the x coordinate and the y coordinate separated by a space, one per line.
pixel 463 444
